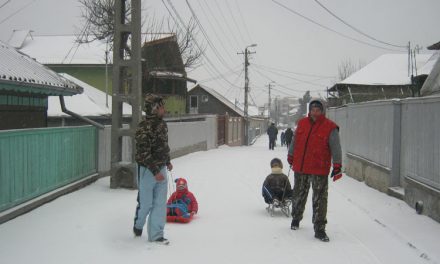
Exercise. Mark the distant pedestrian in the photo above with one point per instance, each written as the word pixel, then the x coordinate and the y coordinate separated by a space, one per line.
pixel 315 145
pixel 272 132
pixel 288 135
pixel 283 139
pixel 153 158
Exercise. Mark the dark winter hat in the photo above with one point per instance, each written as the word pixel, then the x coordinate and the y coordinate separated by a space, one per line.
pixel 181 184
pixel 276 162
pixel 316 103
pixel 152 102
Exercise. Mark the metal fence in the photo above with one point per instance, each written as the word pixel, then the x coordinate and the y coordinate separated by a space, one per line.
pixel 36 161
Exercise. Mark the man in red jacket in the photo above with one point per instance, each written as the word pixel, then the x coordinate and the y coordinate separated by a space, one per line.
pixel 315 144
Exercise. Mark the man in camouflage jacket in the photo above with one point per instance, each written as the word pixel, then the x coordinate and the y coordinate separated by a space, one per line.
pixel 153 158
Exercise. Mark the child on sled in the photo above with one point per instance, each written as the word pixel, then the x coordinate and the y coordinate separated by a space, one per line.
pixel 182 204
pixel 277 191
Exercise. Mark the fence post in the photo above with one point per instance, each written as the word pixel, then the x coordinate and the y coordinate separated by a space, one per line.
pixel 397 128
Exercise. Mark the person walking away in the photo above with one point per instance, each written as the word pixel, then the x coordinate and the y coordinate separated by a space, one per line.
pixel 288 135
pixel 272 132
pixel 283 139
pixel 153 158
pixel 315 145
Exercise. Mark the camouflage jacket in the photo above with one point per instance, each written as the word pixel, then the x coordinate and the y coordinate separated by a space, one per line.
pixel 152 150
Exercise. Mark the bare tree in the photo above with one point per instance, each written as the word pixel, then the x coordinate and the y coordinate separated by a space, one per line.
pixel 99 18
pixel 348 67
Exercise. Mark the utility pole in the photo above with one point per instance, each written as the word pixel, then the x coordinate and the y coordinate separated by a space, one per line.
pixel 270 100
pixel 127 88
pixel 246 92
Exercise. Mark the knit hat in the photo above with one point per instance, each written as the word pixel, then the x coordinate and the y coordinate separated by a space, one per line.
pixel 181 184
pixel 152 102
pixel 276 162
pixel 316 103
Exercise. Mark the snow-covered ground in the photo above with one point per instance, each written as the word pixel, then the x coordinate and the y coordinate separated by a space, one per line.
pixel 94 224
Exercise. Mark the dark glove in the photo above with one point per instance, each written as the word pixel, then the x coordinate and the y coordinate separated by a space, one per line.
pixel 290 159
pixel 336 172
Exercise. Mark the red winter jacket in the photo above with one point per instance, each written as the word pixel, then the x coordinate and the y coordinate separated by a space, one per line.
pixel 188 197
pixel 311 153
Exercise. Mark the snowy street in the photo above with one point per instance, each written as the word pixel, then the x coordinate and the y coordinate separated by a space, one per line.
pixel 94 224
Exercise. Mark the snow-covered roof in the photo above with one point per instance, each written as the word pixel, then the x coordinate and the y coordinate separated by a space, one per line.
pixel 432 83
pixel 27 75
pixel 429 65
pixel 61 49
pixel 90 103
pixel 388 69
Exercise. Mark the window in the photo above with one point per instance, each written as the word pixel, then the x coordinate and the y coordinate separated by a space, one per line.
pixel 204 98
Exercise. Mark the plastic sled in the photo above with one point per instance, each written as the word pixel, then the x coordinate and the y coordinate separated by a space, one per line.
pixel 179 219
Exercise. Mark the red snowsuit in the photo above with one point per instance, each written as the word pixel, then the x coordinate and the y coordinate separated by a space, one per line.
pixel 185 196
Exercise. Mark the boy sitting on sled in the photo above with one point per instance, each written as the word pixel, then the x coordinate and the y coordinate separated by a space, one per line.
pixel 182 204
pixel 276 187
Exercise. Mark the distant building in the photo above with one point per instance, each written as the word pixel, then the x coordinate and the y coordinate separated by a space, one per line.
pixel 25 86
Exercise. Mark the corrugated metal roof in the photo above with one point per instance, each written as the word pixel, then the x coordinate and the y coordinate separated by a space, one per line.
pixel 19 72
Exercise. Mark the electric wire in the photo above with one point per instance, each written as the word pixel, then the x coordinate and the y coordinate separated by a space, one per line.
pixel 358 30
pixel 331 30
pixel 16 12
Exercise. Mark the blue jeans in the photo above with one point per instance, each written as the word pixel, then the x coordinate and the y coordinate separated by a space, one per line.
pixel 152 199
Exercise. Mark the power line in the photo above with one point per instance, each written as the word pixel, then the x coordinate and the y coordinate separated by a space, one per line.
pixel 16 12
pixel 244 22
pixel 297 73
pixel 214 49
pixel 227 24
pixel 5 3
pixel 213 27
pixel 329 29
pixel 235 22
pixel 179 19
pixel 357 30
pixel 293 78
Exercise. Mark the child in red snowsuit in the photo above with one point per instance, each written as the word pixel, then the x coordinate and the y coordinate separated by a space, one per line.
pixel 182 204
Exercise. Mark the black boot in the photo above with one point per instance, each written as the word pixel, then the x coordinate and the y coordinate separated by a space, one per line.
pixel 294 225
pixel 137 232
pixel 321 235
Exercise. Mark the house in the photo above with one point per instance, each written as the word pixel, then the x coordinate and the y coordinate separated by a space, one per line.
pixel 163 69
pixel 231 125
pixel 25 86
pixel 389 76
pixel 205 100
pixel 164 73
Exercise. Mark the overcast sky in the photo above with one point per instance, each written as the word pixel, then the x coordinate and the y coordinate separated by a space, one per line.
pixel 299 43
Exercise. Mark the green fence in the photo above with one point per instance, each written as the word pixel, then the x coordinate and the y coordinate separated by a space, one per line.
pixel 36 161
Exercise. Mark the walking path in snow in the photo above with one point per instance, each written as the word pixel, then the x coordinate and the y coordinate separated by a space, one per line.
pixel 93 225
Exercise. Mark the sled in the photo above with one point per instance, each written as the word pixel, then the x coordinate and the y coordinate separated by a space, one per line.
pixel 283 206
pixel 179 219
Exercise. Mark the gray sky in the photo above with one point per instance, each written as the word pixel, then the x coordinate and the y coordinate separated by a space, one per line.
pixel 294 49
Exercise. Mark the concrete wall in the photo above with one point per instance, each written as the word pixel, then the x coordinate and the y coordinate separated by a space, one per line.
pixel 184 136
